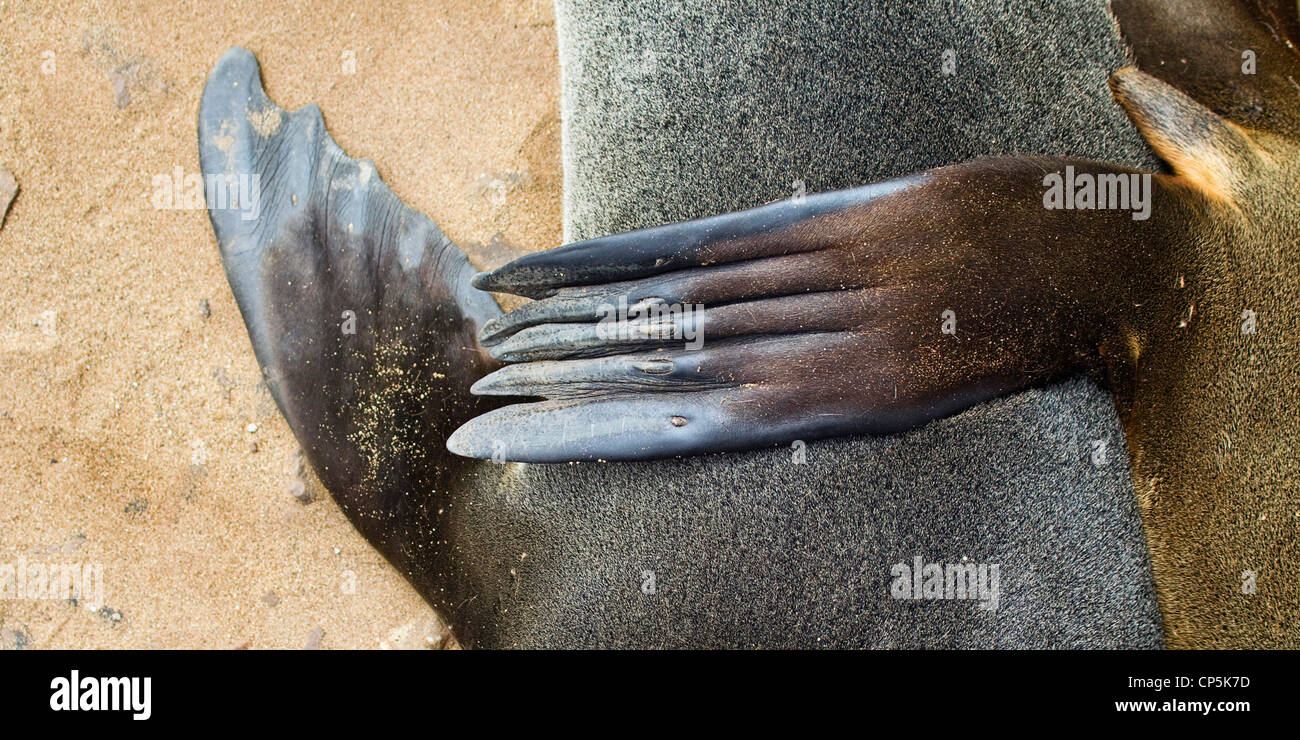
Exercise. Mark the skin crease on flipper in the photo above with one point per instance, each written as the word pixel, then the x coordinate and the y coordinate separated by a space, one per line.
pixel 403 552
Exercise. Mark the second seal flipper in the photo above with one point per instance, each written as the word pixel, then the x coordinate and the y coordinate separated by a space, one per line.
pixel 359 308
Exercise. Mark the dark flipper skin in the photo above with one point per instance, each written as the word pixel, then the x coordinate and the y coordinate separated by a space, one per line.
pixel 870 310
pixel 827 317
pixel 360 314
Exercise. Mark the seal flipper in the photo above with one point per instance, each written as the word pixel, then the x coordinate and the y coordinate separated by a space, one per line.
pixel 359 309
pixel 900 305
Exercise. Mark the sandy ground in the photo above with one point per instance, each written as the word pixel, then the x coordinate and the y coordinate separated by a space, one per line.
pixel 134 432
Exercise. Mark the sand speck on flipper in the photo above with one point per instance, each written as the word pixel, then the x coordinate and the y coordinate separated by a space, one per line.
pixel 265 121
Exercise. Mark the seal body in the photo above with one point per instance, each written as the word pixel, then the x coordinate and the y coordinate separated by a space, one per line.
pixel 967 282
pixel 558 555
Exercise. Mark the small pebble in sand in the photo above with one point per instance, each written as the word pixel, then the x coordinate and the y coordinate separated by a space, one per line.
pixel 252 446
pixel 15 638
pixel 298 486
pixel 8 189
pixel 313 639
pixel 138 506
pixel 300 492
pixel 270 598
pixel 121 93
pixel 252 429
pixel 338 551
pixel 110 615
pixel 205 309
